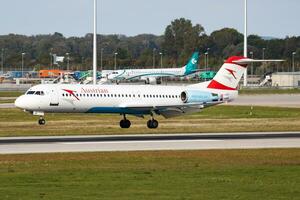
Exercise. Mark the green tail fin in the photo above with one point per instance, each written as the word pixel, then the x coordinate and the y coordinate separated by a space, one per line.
pixel 191 66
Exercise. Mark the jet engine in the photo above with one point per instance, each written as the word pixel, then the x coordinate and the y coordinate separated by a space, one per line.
pixel 196 96
pixel 150 80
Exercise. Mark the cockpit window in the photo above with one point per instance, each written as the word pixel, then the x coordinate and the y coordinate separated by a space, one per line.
pixel 41 93
pixel 30 92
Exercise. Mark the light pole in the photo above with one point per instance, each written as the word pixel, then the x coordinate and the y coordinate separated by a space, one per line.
pixel 101 59
pixel 263 57
pixel 263 53
pixel 294 53
pixel 251 53
pixel 68 61
pixel 245 40
pixel 51 57
pixel 154 57
pixel 22 71
pixel 161 59
pixel 206 60
pixel 116 53
pixel 2 61
pixel 207 57
pixel 95 45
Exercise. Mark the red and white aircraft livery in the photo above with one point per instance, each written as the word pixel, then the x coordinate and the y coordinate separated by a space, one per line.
pixel 138 100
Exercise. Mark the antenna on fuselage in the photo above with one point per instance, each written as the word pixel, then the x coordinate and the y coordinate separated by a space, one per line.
pixel 95 45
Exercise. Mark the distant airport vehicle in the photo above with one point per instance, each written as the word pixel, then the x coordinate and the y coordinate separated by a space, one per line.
pixel 50 73
pixel 207 75
pixel 151 76
pixel 138 100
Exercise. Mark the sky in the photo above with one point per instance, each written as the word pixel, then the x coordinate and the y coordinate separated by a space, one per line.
pixel 276 18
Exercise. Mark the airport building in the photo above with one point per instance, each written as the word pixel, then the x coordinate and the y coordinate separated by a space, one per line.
pixel 286 79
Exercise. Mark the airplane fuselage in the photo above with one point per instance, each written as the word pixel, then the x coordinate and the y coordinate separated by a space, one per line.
pixel 133 99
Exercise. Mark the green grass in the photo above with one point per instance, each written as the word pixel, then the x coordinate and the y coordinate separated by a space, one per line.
pixel 14 122
pixel 230 174
pixel 268 91
pixel 10 93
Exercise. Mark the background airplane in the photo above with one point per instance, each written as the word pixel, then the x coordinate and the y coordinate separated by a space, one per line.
pixel 151 76
pixel 138 100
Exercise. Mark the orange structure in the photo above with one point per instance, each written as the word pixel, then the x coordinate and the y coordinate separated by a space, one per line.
pixel 51 73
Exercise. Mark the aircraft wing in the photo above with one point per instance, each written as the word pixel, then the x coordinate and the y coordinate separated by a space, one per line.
pixel 170 110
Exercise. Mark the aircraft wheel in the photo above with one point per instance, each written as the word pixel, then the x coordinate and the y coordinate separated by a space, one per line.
pixel 152 124
pixel 125 123
pixel 42 121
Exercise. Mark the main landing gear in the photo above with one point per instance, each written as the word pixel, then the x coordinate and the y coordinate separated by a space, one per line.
pixel 42 121
pixel 152 123
pixel 125 123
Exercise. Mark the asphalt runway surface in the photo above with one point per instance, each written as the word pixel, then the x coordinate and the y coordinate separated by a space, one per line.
pixel 274 100
pixel 7 105
pixel 258 140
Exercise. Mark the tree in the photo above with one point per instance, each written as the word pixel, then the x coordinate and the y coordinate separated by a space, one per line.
pixel 181 39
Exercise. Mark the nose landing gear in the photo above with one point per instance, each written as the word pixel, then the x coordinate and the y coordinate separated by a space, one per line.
pixel 125 123
pixel 42 121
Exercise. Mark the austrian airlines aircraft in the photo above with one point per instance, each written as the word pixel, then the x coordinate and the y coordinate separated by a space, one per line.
pixel 150 75
pixel 137 100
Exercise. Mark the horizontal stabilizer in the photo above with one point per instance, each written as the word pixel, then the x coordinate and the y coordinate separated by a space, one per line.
pixel 246 61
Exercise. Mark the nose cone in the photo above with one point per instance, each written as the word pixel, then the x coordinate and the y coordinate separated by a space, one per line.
pixel 20 103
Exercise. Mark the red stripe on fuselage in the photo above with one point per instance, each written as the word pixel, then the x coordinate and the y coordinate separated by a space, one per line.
pixel 216 85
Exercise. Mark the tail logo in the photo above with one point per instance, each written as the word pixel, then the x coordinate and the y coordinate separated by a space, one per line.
pixel 194 61
pixel 232 72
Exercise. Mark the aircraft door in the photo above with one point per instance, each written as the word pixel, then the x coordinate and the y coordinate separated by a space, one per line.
pixel 54 99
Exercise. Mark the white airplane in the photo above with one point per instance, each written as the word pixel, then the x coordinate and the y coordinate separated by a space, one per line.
pixel 138 100
pixel 150 75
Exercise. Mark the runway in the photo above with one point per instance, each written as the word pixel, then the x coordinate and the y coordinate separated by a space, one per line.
pixel 23 145
pixel 7 105
pixel 273 100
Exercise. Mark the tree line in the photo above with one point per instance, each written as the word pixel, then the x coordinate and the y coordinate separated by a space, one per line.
pixel 172 49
